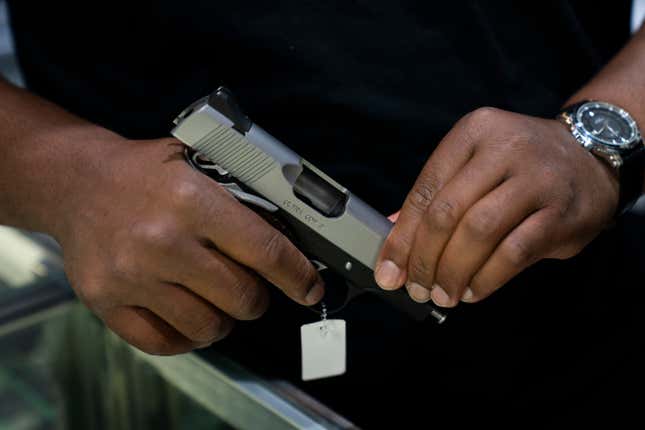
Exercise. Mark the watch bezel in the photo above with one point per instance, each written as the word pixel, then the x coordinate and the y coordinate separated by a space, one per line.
pixel 590 140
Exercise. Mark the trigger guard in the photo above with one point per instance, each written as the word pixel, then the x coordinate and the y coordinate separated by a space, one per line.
pixel 338 292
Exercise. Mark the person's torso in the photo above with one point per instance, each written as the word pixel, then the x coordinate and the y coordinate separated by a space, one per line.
pixel 364 89
pixel 356 86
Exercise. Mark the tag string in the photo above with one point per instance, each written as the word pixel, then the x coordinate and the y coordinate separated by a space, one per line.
pixel 324 329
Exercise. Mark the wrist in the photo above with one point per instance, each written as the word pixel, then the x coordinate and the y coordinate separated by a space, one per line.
pixel 612 135
pixel 47 157
pixel 55 172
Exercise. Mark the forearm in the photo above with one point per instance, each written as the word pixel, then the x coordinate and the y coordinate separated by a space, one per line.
pixel 44 158
pixel 622 81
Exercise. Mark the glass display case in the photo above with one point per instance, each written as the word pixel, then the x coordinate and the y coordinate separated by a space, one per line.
pixel 61 368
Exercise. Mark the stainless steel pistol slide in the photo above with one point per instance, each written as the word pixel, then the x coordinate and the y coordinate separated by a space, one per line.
pixel 340 233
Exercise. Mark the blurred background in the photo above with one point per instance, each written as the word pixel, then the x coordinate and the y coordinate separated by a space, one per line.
pixel 8 65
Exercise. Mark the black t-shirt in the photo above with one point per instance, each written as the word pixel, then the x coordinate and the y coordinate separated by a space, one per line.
pixel 365 90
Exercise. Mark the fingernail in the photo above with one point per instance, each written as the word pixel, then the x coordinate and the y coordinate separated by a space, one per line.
pixel 315 294
pixel 387 275
pixel 468 295
pixel 439 296
pixel 418 293
pixel 394 217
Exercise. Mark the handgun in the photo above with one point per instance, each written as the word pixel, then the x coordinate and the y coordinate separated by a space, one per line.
pixel 338 232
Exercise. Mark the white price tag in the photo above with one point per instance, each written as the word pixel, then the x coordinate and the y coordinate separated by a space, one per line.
pixel 323 349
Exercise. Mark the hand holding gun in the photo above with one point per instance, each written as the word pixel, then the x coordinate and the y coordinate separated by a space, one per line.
pixel 341 234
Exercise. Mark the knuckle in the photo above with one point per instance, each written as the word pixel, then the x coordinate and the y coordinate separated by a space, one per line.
pixel 252 302
pixel 442 215
pixel 206 327
pixel 303 277
pixel 482 225
pixel 420 269
pixel 210 267
pixel 422 193
pixel 185 192
pixel 518 252
pixel 308 274
pixel 128 267
pixel 158 233
pixel 123 263
pixel 273 249
pixel 277 254
pixel 481 117
pixel 397 244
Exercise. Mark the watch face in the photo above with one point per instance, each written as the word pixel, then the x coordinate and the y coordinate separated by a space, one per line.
pixel 607 124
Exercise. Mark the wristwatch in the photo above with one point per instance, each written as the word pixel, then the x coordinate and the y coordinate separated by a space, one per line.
pixel 611 134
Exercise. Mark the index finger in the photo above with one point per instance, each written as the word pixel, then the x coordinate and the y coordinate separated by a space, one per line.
pixel 451 155
pixel 245 237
